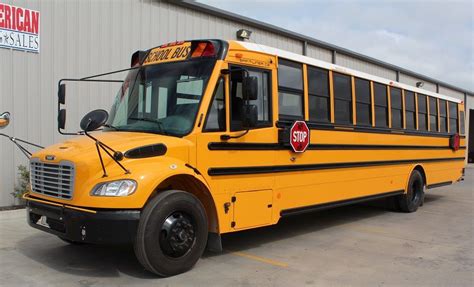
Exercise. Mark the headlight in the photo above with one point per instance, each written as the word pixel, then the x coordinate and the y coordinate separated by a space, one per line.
pixel 115 188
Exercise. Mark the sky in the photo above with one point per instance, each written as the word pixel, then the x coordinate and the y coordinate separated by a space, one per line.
pixel 432 38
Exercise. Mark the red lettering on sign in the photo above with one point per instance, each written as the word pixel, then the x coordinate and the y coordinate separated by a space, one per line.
pixel 7 17
pixel 19 19
pixel 34 28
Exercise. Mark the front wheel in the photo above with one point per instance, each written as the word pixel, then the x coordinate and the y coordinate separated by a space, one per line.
pixel 172 233
pixel 415 194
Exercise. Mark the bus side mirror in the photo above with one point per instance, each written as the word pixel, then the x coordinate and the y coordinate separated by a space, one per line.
pixel 250 88
pixel 94 120
pixel 62 94
pixel 4 120
pixel 250 116
pixel 62 119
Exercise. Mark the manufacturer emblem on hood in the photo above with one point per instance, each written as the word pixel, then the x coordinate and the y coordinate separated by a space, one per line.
pixel 50 157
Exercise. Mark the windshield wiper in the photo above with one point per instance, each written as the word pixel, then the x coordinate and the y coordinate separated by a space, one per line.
pixel 159 123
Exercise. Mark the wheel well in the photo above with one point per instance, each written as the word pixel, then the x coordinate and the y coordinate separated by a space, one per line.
pixel 192 185
pixel 422 171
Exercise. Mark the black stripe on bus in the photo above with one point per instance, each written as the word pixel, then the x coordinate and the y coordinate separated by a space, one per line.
pixel 434 185
pixel 366 129
pixel 324 206
pixel 276 146
pixel 216 171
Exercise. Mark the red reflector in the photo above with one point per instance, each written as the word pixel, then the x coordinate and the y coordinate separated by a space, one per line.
pixel 455 142
pixel 204 50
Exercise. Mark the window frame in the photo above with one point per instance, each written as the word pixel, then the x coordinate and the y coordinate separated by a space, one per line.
pixel 402 116
pixel 415 114
pixel 357 102
pixel 462 123
pixel 260 124
pixel 441 117
pixel 418 96
pixel 453 118
pixel 377 105
pixel 310 95
pixel 204 129
pixel 293 91
pixel 430 113
pixel 351 102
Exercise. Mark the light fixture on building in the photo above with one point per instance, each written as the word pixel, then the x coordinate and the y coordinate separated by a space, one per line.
pixel 244 34
pixel 419 84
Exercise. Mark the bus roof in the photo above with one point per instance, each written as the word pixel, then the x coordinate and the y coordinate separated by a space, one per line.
pixel 318 63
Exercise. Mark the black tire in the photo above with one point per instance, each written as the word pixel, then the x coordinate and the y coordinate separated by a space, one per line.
pixel 172 233
pixel 415 194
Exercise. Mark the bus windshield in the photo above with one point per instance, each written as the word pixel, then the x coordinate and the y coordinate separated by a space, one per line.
pixel 162 98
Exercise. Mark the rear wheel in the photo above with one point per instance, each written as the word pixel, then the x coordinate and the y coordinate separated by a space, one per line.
pixel 415 194
pixel 172 233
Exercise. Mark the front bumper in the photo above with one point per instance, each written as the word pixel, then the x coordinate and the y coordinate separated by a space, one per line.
pixel 88 226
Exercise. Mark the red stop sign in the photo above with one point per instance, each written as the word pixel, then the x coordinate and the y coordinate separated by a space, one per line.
pixel 299 136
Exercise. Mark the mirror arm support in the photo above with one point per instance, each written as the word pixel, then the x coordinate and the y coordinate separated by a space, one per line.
pixel 16 141
pixel 116 156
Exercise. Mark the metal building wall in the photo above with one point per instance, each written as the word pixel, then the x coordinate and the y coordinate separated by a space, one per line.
pixel 84 37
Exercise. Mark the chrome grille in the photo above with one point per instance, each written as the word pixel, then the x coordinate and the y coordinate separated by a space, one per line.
pixel 52 179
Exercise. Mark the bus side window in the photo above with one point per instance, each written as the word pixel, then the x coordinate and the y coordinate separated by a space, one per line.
pixel 410 111
pixel 342 99
pixel 433 114
pixel 443 116
pixel 263 101
pixel 215 120
pixel 396 106
pixel 318 90
pixel 461 119
pixel 290 90
pixel 363 102
pixel 381 106
pixel 453 117
pixel 422 113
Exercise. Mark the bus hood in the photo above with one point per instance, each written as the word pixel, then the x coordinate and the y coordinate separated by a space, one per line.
pixel 82 151
pixel 80 156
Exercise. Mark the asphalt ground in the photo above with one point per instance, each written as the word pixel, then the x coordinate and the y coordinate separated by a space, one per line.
pixel 362 245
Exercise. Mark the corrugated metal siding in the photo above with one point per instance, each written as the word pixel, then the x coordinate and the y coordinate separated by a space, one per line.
pixel 412 81
pixel 451 93
pixel 362 66
pixel 319 53
pixel 85 37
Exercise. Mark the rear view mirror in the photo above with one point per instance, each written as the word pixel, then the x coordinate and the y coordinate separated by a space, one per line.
pixel 250 116
pixel 62 94
pixel 4 120
pixel 250 88
pixel 62 119
pixel 94 120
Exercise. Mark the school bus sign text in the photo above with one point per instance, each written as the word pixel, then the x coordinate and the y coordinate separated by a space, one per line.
pixel 19 28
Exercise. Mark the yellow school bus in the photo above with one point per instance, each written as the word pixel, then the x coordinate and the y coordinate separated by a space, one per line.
pixel 208 137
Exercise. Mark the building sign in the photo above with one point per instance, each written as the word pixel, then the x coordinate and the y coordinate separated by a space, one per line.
pixel 19 28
